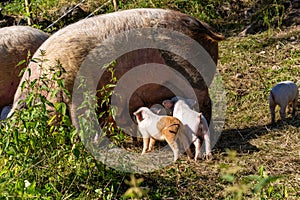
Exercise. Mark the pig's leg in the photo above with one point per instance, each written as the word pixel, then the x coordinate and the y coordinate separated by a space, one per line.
pixel 294 107
pixel 170 138
pixel 282 111
pixel 145 145
pixel 206 136
pixel 185 138
pixel 186 144
pixel 197 144
pixel 208 154
pixel 189 152
pixel 151 145
pixel 272 110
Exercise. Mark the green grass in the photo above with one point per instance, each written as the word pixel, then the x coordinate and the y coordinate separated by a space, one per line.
pixel 251 159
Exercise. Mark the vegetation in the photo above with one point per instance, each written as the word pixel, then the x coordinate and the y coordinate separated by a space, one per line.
pixel 252 160
pixel 227 16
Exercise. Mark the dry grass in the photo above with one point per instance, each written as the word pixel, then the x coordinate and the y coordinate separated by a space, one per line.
pixel 261 61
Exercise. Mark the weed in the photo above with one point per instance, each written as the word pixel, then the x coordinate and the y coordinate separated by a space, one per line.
pixel 40 155
pixel 134 191
pixel 261 184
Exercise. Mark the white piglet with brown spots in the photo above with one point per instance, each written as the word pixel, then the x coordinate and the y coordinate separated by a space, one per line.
pixel 194 122
pixel 283 94
pixel 157 127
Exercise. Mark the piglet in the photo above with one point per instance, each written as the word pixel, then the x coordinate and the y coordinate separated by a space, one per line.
pixel 283 94
pixel 194 122
pixel 156 127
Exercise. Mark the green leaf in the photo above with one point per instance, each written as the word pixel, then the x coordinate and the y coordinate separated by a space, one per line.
pixel 20 63
pixel 61 107
pixel 52 119
pixel 265 181
pixel 228 177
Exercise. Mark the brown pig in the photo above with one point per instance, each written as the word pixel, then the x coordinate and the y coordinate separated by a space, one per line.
pixel 16 42
pixel 72 44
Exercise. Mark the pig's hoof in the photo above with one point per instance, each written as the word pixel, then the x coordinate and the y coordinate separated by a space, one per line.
pixel 208 157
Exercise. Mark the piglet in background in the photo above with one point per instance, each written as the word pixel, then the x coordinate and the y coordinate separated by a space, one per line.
pixel 283 94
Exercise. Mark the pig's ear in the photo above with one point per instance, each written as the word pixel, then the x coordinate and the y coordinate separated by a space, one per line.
pixel 191 102
pixel 139 115
pixel 158 109
pixel 139 110
pixel 168 104
pixel 155 110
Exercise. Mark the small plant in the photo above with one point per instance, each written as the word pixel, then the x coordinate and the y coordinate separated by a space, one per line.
pixel 273 15
pixel 134 191
pixel 107 111
pixel 261 185
pixel 37 8
pixel 40 153
pixel 30 137
pixel 104 111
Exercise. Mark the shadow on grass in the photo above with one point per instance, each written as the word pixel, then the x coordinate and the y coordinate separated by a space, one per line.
pixel 239 139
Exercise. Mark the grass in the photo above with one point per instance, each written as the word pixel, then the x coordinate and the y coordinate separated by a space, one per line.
pixel 263 60
pixel 252 160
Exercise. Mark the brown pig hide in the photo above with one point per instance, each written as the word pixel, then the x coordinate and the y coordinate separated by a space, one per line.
pixel 17 43
pixel 74 45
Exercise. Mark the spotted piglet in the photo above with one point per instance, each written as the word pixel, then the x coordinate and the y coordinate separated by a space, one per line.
pixel 156 127
pixel 195 123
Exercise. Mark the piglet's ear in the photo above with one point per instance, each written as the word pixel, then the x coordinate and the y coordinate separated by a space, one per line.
pixel 168 104
pixel 191 102
pixel 139 115
pixel 155 110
